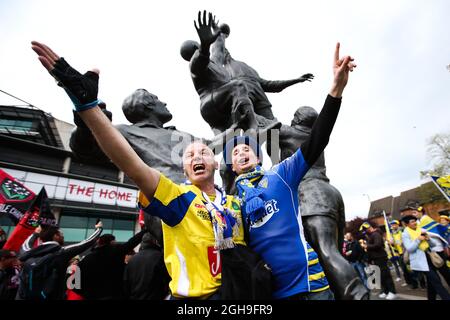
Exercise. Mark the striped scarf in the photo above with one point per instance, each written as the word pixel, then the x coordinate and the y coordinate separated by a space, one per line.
pixel 225 222
pixel 253 206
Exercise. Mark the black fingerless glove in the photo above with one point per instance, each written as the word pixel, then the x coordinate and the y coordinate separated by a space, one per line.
pixel 82 89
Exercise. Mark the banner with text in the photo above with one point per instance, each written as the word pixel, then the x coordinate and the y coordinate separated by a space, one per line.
pixel 62 188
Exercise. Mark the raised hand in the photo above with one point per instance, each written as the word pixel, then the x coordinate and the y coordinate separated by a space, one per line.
pixel 207 30
pixel 82 89
pixel 306 77
pixel 99 225
pixel 341 69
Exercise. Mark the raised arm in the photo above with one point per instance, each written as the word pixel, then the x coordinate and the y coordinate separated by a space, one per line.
pixel 83 89
pixel 75 249
pixel 280 85
pixel 29 242
pixel 208 32
pixel 310 150
pixel 132 242
pixel 321 131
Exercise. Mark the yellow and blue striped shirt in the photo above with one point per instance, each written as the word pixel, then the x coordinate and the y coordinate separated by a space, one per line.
pixel 191 260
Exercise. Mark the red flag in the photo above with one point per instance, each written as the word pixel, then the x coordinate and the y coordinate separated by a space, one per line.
pixel 15 198
pixel 38 214
pixel 141 218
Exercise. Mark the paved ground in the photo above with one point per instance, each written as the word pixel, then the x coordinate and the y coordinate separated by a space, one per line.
pixel 405 292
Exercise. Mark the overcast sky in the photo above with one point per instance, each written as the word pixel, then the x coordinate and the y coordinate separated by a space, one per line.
pixel 397 97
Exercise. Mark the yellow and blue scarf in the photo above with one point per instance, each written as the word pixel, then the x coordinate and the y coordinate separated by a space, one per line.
pixel 225 222
pixel 252 205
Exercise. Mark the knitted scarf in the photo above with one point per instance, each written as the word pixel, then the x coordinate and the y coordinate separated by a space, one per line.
pixel 225 222
pixel 414 234
pixel 252 204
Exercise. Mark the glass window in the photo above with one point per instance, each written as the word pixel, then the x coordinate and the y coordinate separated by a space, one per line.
pixel 16 124
pixel 123 224
pixel 73 222
pixel 108 223
pixel 123 235
pixel 79 226
pixel 6 224
pixel 74 234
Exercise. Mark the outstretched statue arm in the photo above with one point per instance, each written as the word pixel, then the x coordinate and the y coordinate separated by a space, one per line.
pixel 207 32
pixel 83 89
pixel 280 85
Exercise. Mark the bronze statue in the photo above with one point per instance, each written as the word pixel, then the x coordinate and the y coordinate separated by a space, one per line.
pixel 322 211
pixel 158 146
pixel 229 90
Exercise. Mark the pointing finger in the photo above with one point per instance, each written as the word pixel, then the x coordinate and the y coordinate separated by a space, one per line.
pixel 336 52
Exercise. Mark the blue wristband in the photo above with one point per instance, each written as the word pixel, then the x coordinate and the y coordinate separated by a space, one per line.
pixel 87 106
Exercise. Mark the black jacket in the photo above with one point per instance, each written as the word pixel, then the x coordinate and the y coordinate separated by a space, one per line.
pixel 146 276
pixel 375 246
pixel 59 261
pixel 102 270
pixel 8 287
pixel 357 252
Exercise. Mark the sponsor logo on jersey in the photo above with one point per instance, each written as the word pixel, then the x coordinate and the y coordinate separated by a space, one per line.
pixel 271 208
pixel 215 264
pixel 202 214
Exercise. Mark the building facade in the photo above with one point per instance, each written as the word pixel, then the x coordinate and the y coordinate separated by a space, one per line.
pixel 425 195
pixel 34 149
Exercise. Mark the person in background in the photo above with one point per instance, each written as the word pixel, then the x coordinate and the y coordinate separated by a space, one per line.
pixel 377 256
pixel 50 284
pixel 417 241
pixel 445 221
pixel 437 232
pixel 3 237
pixel 354 253
pixel 393 257
pixel 129 255
pixel 397 245
pixel 102 269
pixel 9 282
pixel 146 276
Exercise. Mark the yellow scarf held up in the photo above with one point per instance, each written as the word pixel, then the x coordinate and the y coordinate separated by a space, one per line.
pixel 414 234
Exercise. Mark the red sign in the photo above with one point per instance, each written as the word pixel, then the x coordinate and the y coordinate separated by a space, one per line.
pixel 215 264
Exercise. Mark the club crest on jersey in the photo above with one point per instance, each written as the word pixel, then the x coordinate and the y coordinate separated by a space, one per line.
pixel 263 183
pixel 271 208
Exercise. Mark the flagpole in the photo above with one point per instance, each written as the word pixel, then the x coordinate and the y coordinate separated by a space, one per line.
pixel 439 188
pixel 389 236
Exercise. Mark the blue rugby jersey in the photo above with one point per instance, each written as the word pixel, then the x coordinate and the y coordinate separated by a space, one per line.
pixel 278 237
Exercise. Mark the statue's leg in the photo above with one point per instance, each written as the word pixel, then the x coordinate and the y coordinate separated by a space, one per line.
pixel 215 108
pixel 228 178
pixel 154 226
pixel 321 233
pixel 242 111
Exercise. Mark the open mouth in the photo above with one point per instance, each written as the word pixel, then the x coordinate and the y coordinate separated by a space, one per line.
pixel 199 168
pixel 243 161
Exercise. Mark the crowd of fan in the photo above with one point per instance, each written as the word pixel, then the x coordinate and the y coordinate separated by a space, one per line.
pixel 411 248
